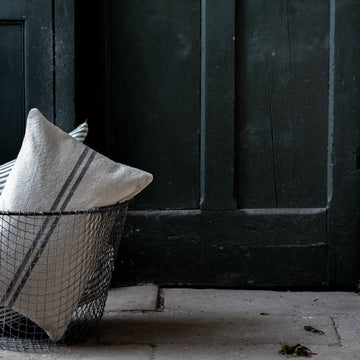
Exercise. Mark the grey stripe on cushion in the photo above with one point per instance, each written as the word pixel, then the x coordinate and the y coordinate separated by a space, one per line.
pixel 31 252
pixel 79 134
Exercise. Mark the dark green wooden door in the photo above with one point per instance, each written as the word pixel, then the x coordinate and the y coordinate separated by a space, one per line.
pixel 246 112
pixel 25 36
pixel 35 67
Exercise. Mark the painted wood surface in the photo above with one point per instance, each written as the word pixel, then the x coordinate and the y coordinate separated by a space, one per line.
pixel 155 47
pixel 248 249
pixel 283 95
pixel 12 77
pixel 344 130
pixel 25 68
pixel 278 202
pixel 36 67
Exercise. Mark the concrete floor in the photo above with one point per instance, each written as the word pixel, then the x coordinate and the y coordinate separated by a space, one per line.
pixel 145 323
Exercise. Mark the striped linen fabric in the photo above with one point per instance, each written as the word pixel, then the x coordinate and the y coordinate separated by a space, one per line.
pixel 4 173
pixel 79 134
pixel 65 175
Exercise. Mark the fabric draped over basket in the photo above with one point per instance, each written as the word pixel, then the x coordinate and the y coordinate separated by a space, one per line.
pixel 50 269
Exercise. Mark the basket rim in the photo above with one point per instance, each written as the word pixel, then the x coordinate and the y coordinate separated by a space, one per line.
pixel 123 204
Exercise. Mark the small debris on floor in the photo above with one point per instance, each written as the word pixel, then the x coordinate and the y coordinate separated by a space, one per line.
pixel 295 350
pixel 357 288
pixel 312 329
pixel 264 313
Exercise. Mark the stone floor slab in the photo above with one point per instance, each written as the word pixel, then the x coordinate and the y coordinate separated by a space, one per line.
pixel 132 298
pixel 90 352
pixel 205 328
pixel 216 324
pixel 255 301
pixel 234 352
pixel 348 328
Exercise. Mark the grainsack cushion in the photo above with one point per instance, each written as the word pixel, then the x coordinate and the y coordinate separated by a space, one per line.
pixel 79 134
pixel 55 172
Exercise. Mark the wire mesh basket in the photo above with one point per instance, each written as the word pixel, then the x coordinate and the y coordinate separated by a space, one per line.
pixel 55 272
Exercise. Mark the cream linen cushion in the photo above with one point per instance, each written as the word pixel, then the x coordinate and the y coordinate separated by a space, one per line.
pixel 79 134
pixel 54 172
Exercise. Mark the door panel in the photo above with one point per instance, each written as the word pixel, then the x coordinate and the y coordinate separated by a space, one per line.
pixel 155 91
pixel 36 67
pixel 244 248
pixel 26 68
pixel 283 115
pixel 12 75
pixel 344 170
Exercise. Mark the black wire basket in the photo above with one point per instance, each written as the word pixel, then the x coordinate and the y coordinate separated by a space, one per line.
pixel 55 274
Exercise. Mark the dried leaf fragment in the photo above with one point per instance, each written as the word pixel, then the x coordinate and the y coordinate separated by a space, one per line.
pixel 312 329
pixel 295 350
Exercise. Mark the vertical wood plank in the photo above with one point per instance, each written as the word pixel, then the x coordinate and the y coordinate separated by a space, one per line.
pixel 283 60
pixel 39 57
pixel 218 105
pixel 64 64
pixel 344 200
pixel 155 86
pixel 12 89
pixel 26 66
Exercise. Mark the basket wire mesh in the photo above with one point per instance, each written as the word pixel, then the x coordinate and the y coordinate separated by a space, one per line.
pixel 56 269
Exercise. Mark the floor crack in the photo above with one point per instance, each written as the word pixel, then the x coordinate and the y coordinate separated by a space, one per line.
pixel 336 330
pixel 271 129
pixel 153 349
pixel 160 303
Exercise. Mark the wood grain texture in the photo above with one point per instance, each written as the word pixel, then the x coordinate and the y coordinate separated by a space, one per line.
pixel 344 199
pixel 155 99
pixel 230 248
pixel 217 105
pixel 26 68
pixel 12 75
pixel 283 72
pixel 64 64
pixel 275 147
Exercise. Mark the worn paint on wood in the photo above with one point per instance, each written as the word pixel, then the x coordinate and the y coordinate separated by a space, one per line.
pixel 12 88
pixel 155 97
pixel 64 64
pixel 217 105
pixel 266 135
pixel 26 68
pixel 232 248
pixel 36 67
pixel 283 94
pixel 344 197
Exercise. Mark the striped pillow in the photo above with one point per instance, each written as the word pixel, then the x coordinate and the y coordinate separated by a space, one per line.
pixel 79 133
